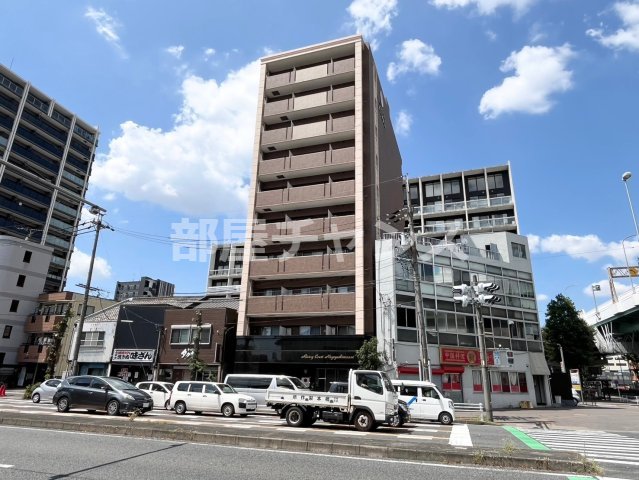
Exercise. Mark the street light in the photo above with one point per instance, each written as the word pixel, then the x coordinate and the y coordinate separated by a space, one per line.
pixel 625 177
pixel 623 246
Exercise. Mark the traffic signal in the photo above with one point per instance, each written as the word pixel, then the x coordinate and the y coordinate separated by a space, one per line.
pixel 462 294
pixel 486 299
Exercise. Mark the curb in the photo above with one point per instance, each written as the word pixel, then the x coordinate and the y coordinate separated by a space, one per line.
pixel 546 461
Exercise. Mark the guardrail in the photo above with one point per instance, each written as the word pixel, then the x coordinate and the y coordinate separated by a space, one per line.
pixel 469 407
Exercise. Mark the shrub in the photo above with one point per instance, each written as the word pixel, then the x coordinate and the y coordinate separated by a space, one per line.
pixel 29 390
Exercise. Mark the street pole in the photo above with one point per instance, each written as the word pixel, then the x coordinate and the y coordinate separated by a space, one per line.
pixel 623 246
pixel 596 288
pixel 483 357
pixel 561 354
pixel 157 354
pixel 626 176
pixel 422 337
pixel 76 346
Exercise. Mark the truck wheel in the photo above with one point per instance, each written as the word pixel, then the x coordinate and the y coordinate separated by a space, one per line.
pixel 445 418
pixel 295 417
pixel 364 421
pixel 309 418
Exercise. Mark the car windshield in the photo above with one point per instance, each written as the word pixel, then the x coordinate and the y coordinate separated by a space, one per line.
pixel 387 382
pixel 226 388
pixel 120 384
pixel 298 383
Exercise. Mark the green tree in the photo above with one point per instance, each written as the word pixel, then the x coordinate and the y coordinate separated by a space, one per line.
pixel 196 366
pixel 368 357
pixel 53 351
pixel 565 327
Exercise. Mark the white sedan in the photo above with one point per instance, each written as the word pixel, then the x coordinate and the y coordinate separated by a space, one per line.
pixel 45 391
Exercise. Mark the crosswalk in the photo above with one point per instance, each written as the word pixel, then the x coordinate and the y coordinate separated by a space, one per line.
pixel 602 447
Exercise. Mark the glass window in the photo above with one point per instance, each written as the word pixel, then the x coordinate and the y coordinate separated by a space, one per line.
pixel 432 189
pixel 7 331
pixel 27 256
pixel 371 382
pixel 495 180
pixel 408 390
pixel 523 384
pixel 183 387
pixel 429 392
pixel 211 389
pixel 14 305
pixel 452 187
pixel 196 387
pixel 180 335
pixel 519 250
pixel 284 383
pixel 477 383
pixel 21 279
pixel 406 335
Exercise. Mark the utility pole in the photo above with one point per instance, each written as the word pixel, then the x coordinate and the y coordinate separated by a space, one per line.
pixel 98 212
pixel 478 295
pixel 561 354
pixel 422 338
pixel 156 360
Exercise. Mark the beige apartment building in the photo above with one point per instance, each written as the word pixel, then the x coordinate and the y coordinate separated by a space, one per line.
pixel 326 169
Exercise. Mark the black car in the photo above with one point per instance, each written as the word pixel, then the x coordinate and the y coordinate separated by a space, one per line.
pixel 101 393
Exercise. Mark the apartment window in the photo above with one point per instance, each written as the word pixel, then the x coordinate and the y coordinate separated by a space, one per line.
pixel 452 187
pixel 414 194
pixel 519 250
pixel 7 331
pixel 92 339
pixel 433 189
pixel 27 257
pixel 21 279
pixel 495 180
pixel 183 335
pixel 14 305
pixel 476 184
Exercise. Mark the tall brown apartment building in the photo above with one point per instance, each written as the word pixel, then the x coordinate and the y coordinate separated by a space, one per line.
pixel 326 169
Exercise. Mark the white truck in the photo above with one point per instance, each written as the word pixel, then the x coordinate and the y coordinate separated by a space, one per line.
pixel 371 401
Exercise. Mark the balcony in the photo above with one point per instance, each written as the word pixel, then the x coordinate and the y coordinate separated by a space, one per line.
pixel 316 228
pixel 336 71
pixel 323 194
pixel 309 104
pixel 476 204
pixel 489 224
pixel 225 272
pixel 325 265
pixel 42 323
pixel 33 354
pixel 296 163
pixel 311 131
pixel 55 297
pixel 284 305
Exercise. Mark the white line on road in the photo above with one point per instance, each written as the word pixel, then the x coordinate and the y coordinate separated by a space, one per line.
pixel 346 432
pixel 460 436
pixel 5 466
pixel 415 437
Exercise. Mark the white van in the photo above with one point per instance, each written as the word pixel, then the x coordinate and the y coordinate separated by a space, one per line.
pixel 425 401
pixel 210 397
pixel 160 392
pixel 256 385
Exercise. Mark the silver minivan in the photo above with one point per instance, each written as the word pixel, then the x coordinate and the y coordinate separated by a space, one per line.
pixel 256 385
pixel 425 401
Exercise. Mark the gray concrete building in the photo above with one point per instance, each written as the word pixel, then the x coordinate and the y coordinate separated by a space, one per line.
pixel 46 153
pixel 326 169
pixel 145 287
pixel 225 270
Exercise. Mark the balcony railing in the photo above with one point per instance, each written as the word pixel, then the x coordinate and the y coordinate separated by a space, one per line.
pixel 33 354
pixel 225 272
pixel 310 193
pixel 297 304
pixel 306 227
pixel 42 323
pixel 302 74
pixel 469 205
pixel 322 264
pixel 459 225
pixel 453 247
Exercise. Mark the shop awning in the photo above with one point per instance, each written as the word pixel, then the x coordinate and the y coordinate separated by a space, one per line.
pixel 448 369
pixel 408 370
pixel 538 365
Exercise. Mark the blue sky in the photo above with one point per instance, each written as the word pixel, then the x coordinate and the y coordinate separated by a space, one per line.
pixel 550 86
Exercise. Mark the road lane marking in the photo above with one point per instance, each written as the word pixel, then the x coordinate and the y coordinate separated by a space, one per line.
pixel 5 466
pixel 460 436
pixel 525 439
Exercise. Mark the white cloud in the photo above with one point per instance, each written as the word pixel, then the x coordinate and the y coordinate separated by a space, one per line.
pixel 372 17
pixel 539 72
pixel 175 51
pixel 209 52
pixel 587 247
pixel 79 266
pixel 537 33
pixel 110 196
pixel 201 165
pixel 414 56
pixel 486 7
pixel 542 297
pixel 624 38
pixel 107 27
pixel 492 36
pixel 403 123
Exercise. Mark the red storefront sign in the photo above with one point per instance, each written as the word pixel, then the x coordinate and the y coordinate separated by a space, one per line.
pixel 462 356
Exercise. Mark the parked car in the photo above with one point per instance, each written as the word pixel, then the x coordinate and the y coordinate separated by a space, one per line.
pixel 46 390
pixel 210 397
pixel 402 410
pixel 159 391
pixel 425 401
pixel 576 397
pixel 101 393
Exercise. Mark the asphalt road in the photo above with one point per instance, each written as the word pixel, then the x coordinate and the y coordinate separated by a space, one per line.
pixel 42 454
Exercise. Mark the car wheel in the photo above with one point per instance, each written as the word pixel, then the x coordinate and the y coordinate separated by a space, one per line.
pixel 395 422
pixel 167 405
pixel 228 410
pixel 180 408
pixel 63 404
pixel 295 417
pixel 36 398
pixel 445 418
pixel 113 408
pixel 364 421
